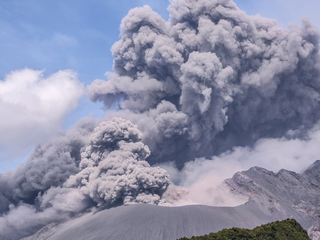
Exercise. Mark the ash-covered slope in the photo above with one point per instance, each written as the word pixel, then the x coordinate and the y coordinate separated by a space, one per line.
pixel 292 194
pixel 273 196
pixel 144 222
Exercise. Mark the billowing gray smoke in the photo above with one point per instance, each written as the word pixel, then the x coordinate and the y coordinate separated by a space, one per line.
pixel 113 167
pixel 50 165
pixel 211 78
pixel 83 168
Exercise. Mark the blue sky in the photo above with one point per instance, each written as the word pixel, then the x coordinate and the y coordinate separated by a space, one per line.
pixel 55 35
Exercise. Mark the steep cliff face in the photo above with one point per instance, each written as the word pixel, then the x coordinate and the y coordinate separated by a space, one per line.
pixel 292 194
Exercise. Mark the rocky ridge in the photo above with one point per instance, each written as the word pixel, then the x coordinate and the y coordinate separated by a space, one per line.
pixel 289 193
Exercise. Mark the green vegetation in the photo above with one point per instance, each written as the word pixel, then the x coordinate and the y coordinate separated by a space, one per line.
pixel 279 230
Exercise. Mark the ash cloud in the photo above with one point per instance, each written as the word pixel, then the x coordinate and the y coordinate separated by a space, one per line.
pixel 50 164
pixel 113 167
pixel 211 78
pixel 212 85
pixel 83 168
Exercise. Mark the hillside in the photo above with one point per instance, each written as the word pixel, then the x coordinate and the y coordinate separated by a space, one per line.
pixel 288 229
pixel 272 196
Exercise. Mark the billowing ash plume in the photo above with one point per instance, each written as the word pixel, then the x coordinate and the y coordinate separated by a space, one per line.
pixel 211 78
pixel 50 165
pixel 83 168
pixel 113 167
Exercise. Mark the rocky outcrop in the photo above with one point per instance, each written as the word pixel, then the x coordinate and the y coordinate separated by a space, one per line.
pixel 292 194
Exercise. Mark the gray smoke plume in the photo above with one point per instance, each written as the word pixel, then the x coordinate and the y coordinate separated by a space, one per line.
pixel 211 78
pixel 113 167
pixel 50 165
pixel 208 80
pixel 83 168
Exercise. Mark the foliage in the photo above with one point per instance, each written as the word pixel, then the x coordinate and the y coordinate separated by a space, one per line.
pixel 279 230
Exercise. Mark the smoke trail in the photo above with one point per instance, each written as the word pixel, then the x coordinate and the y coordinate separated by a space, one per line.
pixel 211 78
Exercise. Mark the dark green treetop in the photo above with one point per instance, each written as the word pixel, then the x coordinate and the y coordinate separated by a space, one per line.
pixel 288 229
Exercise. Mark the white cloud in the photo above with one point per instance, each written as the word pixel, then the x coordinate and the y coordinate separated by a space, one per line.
pixel 33 107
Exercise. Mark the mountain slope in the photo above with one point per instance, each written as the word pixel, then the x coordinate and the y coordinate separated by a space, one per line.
pixel 141 222
pixel 272 196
